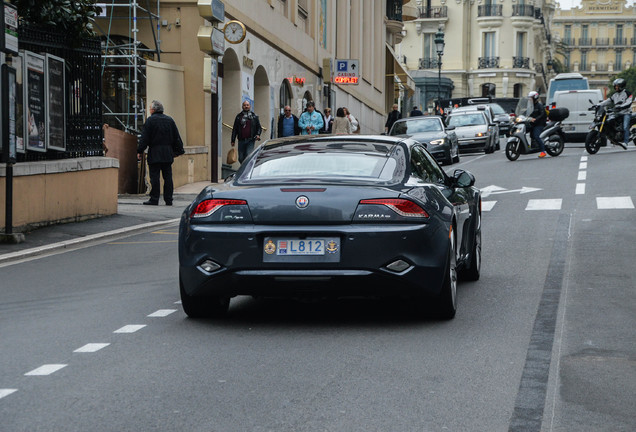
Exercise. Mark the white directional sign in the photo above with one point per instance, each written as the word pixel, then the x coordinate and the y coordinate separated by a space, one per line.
pixel 346 72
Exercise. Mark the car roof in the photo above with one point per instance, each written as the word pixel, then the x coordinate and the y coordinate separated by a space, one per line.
pixel 319 142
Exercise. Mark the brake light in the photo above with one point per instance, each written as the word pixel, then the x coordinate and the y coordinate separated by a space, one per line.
pixel 402 207
pixel 207 207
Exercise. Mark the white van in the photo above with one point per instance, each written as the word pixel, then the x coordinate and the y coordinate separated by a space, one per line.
pixel 576 126
pixel 565 81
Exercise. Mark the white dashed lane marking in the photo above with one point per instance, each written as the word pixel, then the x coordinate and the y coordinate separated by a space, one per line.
pixel 580 189
pixel 582 175
pixel 91 347
pixel 162 313
pixel 6 392
pixel 544 204
pixel 46 369
pixel 130 328
pixel 583 165
pixel 603 203
pixel 487 205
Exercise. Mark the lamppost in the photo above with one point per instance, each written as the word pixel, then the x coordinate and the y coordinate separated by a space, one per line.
pixel 439 46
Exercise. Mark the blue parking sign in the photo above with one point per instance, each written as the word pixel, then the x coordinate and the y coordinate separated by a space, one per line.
pixel 342 66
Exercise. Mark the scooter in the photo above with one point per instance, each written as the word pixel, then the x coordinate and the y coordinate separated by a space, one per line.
pixel 552 136
pixel 607 125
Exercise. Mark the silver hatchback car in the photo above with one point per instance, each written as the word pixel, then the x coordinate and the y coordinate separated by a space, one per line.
pixel 474 131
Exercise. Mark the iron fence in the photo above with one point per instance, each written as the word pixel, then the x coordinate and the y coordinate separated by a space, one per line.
pixel 83 90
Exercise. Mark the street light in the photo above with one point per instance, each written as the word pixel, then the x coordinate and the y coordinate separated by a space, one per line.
pixel 439 47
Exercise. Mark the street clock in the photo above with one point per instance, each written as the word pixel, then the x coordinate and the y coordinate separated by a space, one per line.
pixel 234 31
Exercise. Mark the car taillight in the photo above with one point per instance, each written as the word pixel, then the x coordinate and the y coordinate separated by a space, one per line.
pixel 207 207
pixel 402 207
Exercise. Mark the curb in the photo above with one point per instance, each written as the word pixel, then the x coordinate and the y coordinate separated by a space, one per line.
pixel 75 243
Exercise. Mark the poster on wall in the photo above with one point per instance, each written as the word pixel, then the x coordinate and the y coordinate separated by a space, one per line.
pixel 34 101
pixel 247 89
pixel 18 64
pixel 55 103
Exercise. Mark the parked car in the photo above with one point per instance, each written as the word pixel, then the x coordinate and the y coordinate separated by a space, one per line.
pixel 577 124
pixel 332 216
pixel 440 140
pixel 474 130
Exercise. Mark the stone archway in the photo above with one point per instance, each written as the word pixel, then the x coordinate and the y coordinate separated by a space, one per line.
pixel 231 103
pixel 262 102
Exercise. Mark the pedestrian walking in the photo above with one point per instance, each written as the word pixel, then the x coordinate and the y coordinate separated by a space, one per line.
pixel 310 121
pixel 354 122
pixel 328 118
pixel 288 123
pixel 161 136
pixel 393 116
pixel 415 112
pixel 247 129
pixel 342 125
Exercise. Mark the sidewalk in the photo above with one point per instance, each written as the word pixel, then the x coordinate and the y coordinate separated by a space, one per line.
pixel 132 216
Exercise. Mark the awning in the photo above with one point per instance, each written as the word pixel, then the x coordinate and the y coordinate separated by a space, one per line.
pixel 400 74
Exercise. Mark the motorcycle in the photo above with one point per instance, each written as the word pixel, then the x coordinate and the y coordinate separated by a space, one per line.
pixel 607 126
pixel 552 136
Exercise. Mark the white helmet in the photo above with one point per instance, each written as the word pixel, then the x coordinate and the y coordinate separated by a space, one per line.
pixel 534 95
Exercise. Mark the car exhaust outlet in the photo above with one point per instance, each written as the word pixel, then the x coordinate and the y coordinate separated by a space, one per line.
pixel 398 266
pixel 209 266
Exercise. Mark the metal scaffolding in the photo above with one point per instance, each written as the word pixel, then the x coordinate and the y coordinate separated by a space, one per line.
pixel 124 59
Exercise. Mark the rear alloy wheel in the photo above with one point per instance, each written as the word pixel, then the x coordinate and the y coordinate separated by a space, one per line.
pixel 555 147
pixel 203 306
pixel 446 302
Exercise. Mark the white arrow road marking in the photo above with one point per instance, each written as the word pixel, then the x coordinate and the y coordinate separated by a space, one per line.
pixel 46 369
pixel 6 392
pixel 487 205
pixel 91 347
pixel 130 328
pixel 614 203
pixel 162 313
pixel 496 190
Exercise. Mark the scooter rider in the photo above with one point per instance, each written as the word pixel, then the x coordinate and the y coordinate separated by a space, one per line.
pixel 622 102
pixel 538 120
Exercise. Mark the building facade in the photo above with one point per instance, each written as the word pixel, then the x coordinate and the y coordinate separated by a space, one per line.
pixel 281 61
pixel 597 39
pixel 491 48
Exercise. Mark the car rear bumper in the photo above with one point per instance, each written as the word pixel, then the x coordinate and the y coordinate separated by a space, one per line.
pixel 361 270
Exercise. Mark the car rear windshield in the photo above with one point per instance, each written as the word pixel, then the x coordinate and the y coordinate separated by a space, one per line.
pixel 334 161
pixel 417 126
pixel 460 120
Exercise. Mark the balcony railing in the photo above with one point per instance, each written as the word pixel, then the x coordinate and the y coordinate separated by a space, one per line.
pixel 489 10
pixel 585 41
pixel 523 10
pixel 434 12
pixel 521 62
pixel 569 41
pixel 620 41
pixel 428 63
pixel 601 67
pixel 537 13
pixel 602 41
pixel 488 62
pixel 394 10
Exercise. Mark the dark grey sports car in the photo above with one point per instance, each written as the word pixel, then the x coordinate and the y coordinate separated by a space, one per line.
pixel 440 140
pixel 332 216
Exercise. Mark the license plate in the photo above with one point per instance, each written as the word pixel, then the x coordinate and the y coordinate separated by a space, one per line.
pixel 300 247
pixel 315 249
pixel 568 128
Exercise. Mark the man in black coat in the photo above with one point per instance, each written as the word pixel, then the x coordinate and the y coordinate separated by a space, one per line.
pixel 537 120
pixel 415 112
pixel 161 136
pixel 394 116
pixel 287 123
pixel 247 128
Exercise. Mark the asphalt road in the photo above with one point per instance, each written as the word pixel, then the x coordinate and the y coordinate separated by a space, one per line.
pixel 544 341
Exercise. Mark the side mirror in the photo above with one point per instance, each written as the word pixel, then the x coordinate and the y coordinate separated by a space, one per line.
pixel 229 178
pixel 463 178
pixel 450 128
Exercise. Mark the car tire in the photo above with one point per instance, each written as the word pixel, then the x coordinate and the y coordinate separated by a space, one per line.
pixel 203 306
pixel 473 271
pixel 446 302
pixel 456 158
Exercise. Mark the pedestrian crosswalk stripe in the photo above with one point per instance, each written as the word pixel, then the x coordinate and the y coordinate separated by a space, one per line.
pixel 487 205
pixel 91 347
pixel 131 328
pixel 6 392
pixel 544 204
pixel 46 369
pixel 614 203
pixel 162 313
